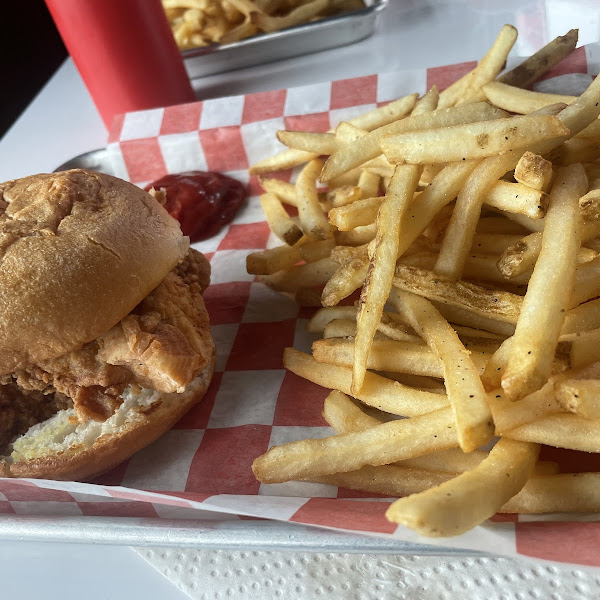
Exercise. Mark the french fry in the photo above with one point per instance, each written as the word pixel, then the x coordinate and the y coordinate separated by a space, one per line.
pixel 360 212
pixel 542 312
pixel 473 419
pixel 357 236
pixel 500 306
pixel 324 316
pixel 542 61
pixel 561 493
pixel 534 171
pixel 459 504
pixel 520 257
pixel 380 445
pixel 519 198
pixel 280 162
pixel 347 279
pixel 272 260
pixel 493 243
pixel 301 276
pixel 368 147
pixel 312 251
pixel 317 143
pixel 279 221
pixel 312 219
pixel 585 348
pixel 470 141
pixel 581 397
pixel 377 391
pixel 427 103
pixel 285 191
pixel 381 268
pixel 562 430
pixel 344 195
pixel 459 235
pixel 491 64
pixel 369 184
pixel 521 101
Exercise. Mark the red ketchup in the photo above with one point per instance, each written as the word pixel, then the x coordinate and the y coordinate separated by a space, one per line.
pixel 202 201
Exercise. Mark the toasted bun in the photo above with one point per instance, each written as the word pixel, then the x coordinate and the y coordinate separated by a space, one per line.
pixel 78 251
pixel 62 449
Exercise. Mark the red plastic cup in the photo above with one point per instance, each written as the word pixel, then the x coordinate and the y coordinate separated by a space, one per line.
pixel 125 53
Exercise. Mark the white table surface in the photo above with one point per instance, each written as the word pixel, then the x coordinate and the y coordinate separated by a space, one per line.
pixel 62 122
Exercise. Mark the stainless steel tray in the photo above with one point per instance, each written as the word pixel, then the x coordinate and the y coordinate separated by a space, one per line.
pixel 287 43
pixel 208 534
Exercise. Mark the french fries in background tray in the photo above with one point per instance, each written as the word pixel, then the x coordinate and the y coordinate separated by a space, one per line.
pixel 197 23
pixel 221 35
pixel 467 221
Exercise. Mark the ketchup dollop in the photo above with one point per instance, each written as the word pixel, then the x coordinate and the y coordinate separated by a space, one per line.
pixel 202 201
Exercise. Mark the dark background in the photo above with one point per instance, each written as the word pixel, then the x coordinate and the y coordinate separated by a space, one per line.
pixel 30 51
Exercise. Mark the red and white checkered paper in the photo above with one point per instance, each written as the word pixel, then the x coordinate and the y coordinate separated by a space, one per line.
pixel 253 403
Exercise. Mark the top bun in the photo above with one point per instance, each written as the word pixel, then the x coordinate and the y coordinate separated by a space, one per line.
pixel 78 251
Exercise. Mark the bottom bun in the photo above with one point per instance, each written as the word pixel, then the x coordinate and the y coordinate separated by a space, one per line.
pixel 60 448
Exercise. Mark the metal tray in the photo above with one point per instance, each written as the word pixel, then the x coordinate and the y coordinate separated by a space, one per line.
pixel 208 534
pixel 287 43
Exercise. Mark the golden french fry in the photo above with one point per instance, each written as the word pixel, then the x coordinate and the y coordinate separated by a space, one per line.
pixel 534 171
pixel 360 212
pixel 581 397
pixel 273 260
pixel 562 430
pixel 381 268
pixel 312 219
pixel 278 219
pixel 357 236
pixel 585 348
pixel 301 276
pixel 377 391
pixel 469 141
pixel 347 279
pixel 521 101
pixel 470 498
pixel 542 312
pixel 380 445
pixel 285 191
pixel 473 419
pixel 344 195
pixel 318 143
pixel 280 162
pixel 389 355
pixel 324 316
pixel 561 493
pixel 427 103
pixel 369 184
pixel 312 251
pixel 519 198
pixel 491 64
pixel 493 243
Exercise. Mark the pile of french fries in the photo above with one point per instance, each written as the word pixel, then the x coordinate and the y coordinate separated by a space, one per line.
pixel 198 23
pixel 469 221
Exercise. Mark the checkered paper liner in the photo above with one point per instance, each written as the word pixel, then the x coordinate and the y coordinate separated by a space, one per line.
pixel 205 461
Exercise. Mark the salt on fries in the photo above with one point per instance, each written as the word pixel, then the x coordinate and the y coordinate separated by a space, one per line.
pixel 474 238
pixel 198 23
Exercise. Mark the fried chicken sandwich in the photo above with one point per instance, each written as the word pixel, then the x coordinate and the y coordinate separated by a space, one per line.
pixel 104 337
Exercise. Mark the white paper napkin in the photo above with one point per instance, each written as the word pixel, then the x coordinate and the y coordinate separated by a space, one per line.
pixel 211 574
